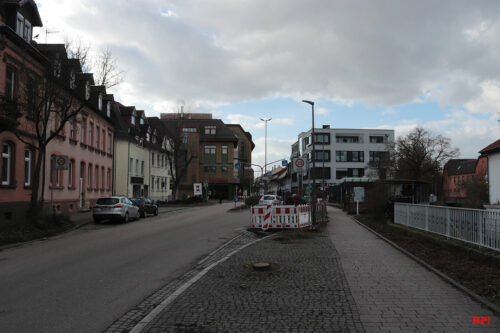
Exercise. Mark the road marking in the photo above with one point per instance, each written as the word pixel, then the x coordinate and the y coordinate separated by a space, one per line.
pixel 158 309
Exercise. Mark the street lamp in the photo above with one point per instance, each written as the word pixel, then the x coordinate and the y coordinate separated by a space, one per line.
pixel 265 154
pixel 313 171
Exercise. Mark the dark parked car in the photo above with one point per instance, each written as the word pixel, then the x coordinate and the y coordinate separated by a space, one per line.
pixel 146 206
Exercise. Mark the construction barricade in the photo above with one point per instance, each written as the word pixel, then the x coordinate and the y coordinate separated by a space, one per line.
pixel 286 217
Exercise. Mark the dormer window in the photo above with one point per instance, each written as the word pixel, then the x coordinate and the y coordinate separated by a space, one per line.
pixel 23 27
pixel 210 129
pixel 87 90
pixel 100 102
pixel 148 137
pixel 132 120
pixel 72 79
pixel 108 109
pixel 142 122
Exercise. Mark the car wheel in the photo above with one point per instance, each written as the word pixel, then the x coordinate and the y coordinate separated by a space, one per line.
pixel 125 219
pixel 156 212
pixel 143 214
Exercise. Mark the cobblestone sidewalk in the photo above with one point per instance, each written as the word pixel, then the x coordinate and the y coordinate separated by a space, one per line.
pixel 304 291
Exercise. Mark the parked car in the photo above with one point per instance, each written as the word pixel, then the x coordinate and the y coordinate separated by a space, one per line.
pixel 146 206
pixel 270 199
pixel 114 208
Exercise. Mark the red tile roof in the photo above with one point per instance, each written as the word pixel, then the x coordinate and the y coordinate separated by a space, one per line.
pixel 494 147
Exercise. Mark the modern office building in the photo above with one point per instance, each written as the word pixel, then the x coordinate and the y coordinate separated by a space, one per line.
pixel 339 153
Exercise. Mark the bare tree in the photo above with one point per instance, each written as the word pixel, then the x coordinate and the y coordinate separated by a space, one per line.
pixel 421 155
pixel 106 71
pixel 77 49
pixel 46 104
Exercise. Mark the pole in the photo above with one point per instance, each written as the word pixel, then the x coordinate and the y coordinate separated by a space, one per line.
pixel 313 171
pixel 265 142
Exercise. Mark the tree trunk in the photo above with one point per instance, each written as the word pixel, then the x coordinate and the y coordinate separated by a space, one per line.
pixel 35 187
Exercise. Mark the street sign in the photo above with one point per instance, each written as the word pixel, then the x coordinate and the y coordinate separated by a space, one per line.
pixel 235 198
pixel 359 194
pixel 237 165
pixel 61 162
pixel 197 189
pixel 299 164
pixel 269 173
pixel 284 163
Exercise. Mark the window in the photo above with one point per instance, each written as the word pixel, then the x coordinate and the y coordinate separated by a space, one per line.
pixel 141 121
pixel 72 129
pixel 102 178
pixel 346 139
pixel 136 167
pixel 87 90
pixel 132 120
pixel 142 168
pixel 210 169
pixel 341 174
pixel 91 131
pixel 20 24
pixel 83 131
pixel 109 143
pixel 210 129
pixel 131 165
pixel 210 150
pixel 341 156
pixel 153 182
pixel 153 159
pixel 54 122
pixel 6 163
pixel 99 102
pixel 108 109
pixel 108 184
pixel 10 83
pixel 189 130
pixel 72 79
pixel 27 31
pixel 103 143
pixel 224 150
pixel 349 156
pixel 148 137
pixel 89 176
pixel 376 156
pixel 376 139
pixel 322 155
pixel 98 137
pixel 27 167
pixel 158 160
pixel 71 172
pixel 225 169
pixel 96 177
pixel 320 173
pixel 322 138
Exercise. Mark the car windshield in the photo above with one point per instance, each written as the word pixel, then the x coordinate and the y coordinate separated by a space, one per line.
pixel 268 197
pixel 136 201
pixel 107 201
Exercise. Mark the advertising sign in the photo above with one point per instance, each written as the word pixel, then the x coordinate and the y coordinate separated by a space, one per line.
pixel 197 189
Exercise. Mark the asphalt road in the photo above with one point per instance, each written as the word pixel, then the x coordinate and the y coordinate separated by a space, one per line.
pixel 85 280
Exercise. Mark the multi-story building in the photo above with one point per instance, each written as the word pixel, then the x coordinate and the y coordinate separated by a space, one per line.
pixel 243 171
pixel 209 147
pixel 51 93
pixel 340 153
pixel 492 153
pixel 459 172
pixel 142 148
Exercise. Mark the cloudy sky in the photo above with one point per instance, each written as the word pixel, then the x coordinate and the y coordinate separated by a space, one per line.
pixel 366 64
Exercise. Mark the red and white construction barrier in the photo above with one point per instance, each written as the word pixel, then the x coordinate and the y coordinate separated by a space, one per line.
pixel 285 217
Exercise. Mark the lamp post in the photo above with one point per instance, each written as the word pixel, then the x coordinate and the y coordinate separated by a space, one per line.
pixel 265 154
pixel 313 172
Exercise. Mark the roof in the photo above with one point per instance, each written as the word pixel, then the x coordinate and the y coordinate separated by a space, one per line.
pixel 492 148
pixel 357 180
pixel 460 166
pixel 247 134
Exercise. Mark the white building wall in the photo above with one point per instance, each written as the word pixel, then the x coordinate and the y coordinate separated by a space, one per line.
pixel 494 177
pixel 363 145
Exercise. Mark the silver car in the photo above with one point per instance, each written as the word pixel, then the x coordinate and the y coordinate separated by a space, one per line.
pixel 270 199
pixel 114 208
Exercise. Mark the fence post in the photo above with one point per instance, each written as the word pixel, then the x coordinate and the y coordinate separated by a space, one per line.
pixel 448 222
pixel 407 214
pixel 480 234
pixel 426 218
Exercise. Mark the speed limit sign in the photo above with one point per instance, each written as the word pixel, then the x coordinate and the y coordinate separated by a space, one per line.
pixel 61 162
pixel 299 164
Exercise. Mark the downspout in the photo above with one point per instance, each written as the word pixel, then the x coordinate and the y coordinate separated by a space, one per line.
pixel 128 166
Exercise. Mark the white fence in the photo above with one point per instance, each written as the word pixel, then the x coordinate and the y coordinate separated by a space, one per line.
pixel 480 227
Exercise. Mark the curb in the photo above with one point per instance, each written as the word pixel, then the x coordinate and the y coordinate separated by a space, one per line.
pixel 495 309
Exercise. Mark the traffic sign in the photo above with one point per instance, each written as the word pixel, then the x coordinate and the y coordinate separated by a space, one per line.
pixel 269 173
pixel 237 165
pixel 61 162
pixel 197 189
pixel 284 163
pixel 299 164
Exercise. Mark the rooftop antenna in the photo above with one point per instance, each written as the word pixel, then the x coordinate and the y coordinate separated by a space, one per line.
pixel 47 32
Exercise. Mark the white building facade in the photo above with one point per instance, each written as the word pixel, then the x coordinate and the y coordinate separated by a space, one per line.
pixel 340 153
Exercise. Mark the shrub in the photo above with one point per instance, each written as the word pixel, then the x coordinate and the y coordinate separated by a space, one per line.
pixel 252 201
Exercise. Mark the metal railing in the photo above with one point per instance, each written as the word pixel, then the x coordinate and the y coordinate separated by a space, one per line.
pixel 476 226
